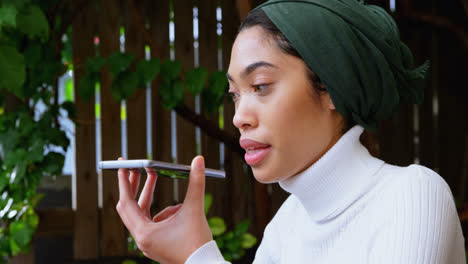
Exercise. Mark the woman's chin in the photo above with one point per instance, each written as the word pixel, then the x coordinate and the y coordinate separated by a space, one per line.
pixel 264 177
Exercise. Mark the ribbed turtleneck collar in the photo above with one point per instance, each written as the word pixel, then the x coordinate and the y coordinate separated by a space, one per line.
pixel 342 175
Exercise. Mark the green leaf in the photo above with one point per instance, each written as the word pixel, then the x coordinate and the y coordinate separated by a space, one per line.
pixel 32 22
pixel 233 245
pixel 58 137
pixel 210 101
pixel 95 64
pixel 219 242
pixel 21 234
pixel 213 95
pixel 8 16
pixel 195 80
pixel 170 70
pixel 242 227
pixel 32 219
pixel 124 85
pixel 229 236
pixel 36 151
pixel 4 246
pixel 172 93
pixel 53 163
pixel 119 62
pixel 178 89
pixel 12 158
pixel 12 70
pixel 8 142
pixel 70 108
pixel 86 86
pixel 227 256
pixel 208 200
pixel 148 70
pixel 218 83
pixel 15 249
pixel 17 3
pixel 248 240
pixel 238 254
pixel 42 68
pixel 32 55
pixel 217 225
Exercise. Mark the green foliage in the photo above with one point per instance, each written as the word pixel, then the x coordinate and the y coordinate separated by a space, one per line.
pixel 29 67
pixel 174 82
pixel 232 243
pixel 196 80
pixel 207 201
pixel 92 76
pixel 32 56
pixel 213 96
pixel 217 225
pixel 8 16
pixel 12 70
pixel 31 21
pixel 148 70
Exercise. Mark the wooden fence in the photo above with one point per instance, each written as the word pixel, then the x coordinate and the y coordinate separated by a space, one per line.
pixel 100 233
pixel 433 134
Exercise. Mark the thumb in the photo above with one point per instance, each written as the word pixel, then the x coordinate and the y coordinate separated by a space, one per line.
pixel 196 188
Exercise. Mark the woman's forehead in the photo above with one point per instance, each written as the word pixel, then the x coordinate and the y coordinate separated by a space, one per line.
pixel 252 46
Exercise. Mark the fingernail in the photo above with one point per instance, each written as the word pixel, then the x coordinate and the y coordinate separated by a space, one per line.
pixel 199 162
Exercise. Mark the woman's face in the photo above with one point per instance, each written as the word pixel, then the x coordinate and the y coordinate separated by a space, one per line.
pixel 285 127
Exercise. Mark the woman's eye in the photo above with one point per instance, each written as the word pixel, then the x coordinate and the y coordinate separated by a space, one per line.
pixel 260 88
pixel 233 95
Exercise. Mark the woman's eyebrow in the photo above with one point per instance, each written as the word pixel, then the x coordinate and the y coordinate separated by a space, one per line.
pixel 252 67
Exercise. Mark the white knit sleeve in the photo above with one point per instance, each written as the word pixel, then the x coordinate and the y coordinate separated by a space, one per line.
pixel 207 254
pixel 422 224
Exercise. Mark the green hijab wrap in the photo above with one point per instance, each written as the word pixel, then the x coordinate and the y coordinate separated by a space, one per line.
pixel 356 51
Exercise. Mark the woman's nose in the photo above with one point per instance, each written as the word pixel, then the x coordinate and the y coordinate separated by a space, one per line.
pixel 244 116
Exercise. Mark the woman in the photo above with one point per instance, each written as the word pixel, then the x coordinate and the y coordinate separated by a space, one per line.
pixel 307 77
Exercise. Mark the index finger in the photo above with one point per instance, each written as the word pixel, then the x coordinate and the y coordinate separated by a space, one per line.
pixel 125 190
pixel 128 209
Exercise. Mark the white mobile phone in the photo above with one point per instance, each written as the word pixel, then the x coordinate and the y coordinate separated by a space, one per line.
pixel 167 169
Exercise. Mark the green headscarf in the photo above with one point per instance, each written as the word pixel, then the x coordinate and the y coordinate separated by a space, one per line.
pixel 356 51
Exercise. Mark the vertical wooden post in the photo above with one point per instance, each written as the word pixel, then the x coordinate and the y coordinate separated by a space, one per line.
pixel 396 135
pixel 452 114
pixel 158 14
pixel 186 144
pixel 113 241
pixel 136 103
pixel 208 47
pixel 86 234
pixel 417 36
pixel 233 164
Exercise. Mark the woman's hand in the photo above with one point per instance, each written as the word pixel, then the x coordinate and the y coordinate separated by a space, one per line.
pixel 177 231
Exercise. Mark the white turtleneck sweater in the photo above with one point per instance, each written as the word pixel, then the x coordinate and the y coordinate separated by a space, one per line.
pixel 350 207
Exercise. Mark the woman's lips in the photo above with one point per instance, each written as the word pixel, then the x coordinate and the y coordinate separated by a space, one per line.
pixel 255 151
pixel 255 156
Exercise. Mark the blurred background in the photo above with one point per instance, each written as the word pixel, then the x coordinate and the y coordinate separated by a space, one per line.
pixel 87 80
